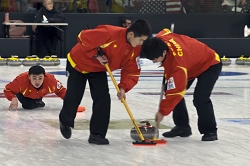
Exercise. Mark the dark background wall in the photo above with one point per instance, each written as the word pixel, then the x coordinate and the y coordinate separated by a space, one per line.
pixel 222 32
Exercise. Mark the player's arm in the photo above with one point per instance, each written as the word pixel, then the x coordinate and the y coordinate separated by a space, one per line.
pixel 12 88
pixel 60 90
pixel 175 90
pixel 10 91
pixel 130 73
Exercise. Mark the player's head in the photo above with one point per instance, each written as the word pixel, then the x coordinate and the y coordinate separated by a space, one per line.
pixel 36 76
pixel 138 32
pixel 155 49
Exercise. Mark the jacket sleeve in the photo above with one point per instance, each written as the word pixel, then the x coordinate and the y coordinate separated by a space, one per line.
pixel 12 88
pixel 39 16
pixel 92 38
pixel 130 73
pixel 175 90
pixel 58 19
pixel 60 90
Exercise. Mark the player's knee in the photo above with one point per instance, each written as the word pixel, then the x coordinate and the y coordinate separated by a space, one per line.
pixel 27 106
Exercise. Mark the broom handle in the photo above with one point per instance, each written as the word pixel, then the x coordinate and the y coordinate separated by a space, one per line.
pixel 125 103
pixel 157 125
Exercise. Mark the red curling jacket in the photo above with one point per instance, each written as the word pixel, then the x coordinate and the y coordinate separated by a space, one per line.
pixel 113 42
pixel 186 59
pixel 22 84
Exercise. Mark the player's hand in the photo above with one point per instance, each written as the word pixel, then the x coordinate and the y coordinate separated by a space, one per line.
pixel 13 104
pixel 121 94
pixel 102 59
pixel 158 117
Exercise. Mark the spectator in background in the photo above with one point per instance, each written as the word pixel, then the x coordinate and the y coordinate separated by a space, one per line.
pixel 245 6
pixel 33 6
pixel 8 6
pixel 93 6
pixel 49 35
pixel 116 6
pixel 229 5
pixel 81 6
pixel 125 22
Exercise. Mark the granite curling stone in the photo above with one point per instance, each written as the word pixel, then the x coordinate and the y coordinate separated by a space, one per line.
pixel 3 61
pixel 31 60
pixel 46 61
pixel 50 61
pixel 225 61
pixel 240 60
pixel 247 61
pixel 56 60
pixel 14 61
pixel 148 132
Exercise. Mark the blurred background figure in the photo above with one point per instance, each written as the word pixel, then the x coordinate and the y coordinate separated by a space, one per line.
pixel 81 6
pixel 48 35
pixel 245 6
pixel 125 22
pixel 8 6
pixel 231 5
pixel 93 6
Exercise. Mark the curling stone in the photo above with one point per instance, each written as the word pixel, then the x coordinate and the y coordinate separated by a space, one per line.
pixel 31 60
pixel 247 61
pixel 46 61
pixel 2 61
pixel 50 61
pixel 56 60
pixel 225 61
pixel 14 61
pixel 147 131
pixel 240 60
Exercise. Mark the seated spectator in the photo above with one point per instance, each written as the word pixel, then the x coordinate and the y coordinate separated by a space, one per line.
pixel 229 5
pixel 49 35
pixel 125 22
pixel 30 88
pixel 119 6
pixel 8 6
pixel 81 6
pixel 93 6
pixel 245 6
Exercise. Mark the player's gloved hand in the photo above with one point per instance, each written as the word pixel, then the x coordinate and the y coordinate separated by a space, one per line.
pixel 158 117
pixel 121 94
pixel 102 59
pixel 13 104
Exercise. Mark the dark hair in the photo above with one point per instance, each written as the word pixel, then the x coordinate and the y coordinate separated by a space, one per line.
pixel 36 70
pixel 140 28
pixel 153 48
pixel 123 20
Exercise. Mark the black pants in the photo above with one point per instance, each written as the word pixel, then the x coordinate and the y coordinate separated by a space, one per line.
pixel 201 100
pixel 99 91
pixel 27 103
pixel 49 37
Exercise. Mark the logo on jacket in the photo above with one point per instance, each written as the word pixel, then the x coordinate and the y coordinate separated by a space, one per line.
pixel 138 62
pixel 59 85
pixel 170 83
